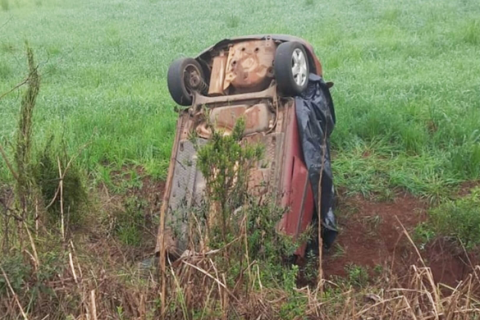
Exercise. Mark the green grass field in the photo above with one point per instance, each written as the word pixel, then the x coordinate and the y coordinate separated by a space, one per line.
pixel 406 73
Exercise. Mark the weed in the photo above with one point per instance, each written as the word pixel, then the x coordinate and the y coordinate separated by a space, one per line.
pixel 46 175
pixel 17 272
pixel 423 234
pixel 373 222
pixel 294 308
pixel 310 270
pixel 23 143
pixel 357 276
pixel 339 251
pixel 459 219
pixel 386 195
pixel 230 212
pixel 378 269
pixel 25 191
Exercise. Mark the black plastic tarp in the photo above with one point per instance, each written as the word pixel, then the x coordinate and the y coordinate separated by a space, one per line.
pixel 316 121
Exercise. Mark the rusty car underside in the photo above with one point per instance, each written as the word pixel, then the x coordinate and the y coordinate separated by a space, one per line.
pixel 237 80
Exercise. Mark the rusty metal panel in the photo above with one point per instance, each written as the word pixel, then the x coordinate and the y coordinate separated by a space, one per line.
pixel 317 66
pixel 217 76
pixel 187 189
pixel 201 100
pixel 250 65
pixel 258 118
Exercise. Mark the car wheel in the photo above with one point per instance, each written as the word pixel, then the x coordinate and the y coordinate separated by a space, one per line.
pixel 185 75
pixel 291 68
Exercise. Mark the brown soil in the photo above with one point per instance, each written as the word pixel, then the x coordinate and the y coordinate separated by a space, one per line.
pixel 466 187
pixel 372 234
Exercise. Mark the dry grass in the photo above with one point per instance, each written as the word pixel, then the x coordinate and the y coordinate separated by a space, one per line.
pixel 197 288
pixel 89 281
pixel 197 281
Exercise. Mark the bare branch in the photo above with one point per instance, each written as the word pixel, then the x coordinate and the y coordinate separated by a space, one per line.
pixel 14 88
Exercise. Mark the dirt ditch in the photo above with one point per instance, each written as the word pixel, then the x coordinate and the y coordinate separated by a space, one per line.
pixel 372 235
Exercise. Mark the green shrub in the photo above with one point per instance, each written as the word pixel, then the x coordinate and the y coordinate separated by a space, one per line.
pixel 423 234
pixel 460 219
pixel 357 275
pixel 226 162
pixel 46 174
pixel 16 270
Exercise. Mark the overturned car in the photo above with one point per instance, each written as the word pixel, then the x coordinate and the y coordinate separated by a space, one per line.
pixel 275 83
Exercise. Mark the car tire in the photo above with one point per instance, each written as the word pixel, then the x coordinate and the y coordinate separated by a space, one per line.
pixel 185 75
pixel 291 68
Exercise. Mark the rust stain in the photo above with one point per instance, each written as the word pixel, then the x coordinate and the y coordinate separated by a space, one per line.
pixel 250 65
pixel 217 76
pixel 258 118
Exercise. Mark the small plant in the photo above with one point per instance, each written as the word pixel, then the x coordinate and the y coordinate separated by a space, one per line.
pixel 386 195
pixel 339 251
pixel 373 222
pixel 23 144
pixel 460 219
pixel 47 177
pixel 16 270
pixel 310 270
pixel 25 191
pixel 242 229
pixel 226 164
pixel 357 275
pixel 423 234
pixel 378 269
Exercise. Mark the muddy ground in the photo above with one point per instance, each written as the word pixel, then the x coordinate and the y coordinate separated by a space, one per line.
pixel 372 235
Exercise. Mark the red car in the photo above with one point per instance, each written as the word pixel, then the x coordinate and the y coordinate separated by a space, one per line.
pixel 276 83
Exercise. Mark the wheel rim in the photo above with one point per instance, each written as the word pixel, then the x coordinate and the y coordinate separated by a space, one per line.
pixel 299 67
pixel 192 78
